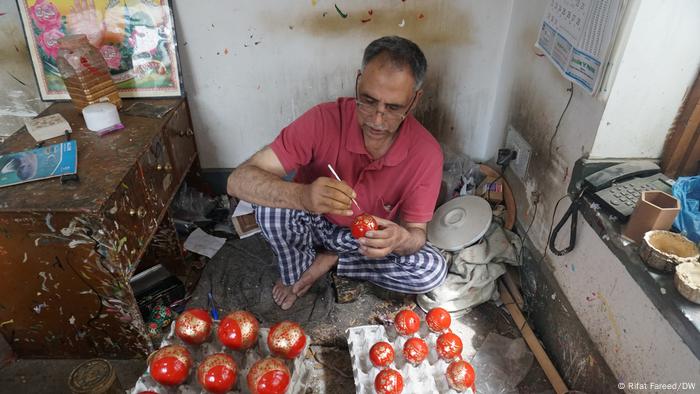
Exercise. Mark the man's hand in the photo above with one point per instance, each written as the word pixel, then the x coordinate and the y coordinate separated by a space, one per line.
pixel 379 243
pixel 326 195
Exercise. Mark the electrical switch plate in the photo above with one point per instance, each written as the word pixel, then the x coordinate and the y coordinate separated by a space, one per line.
pixel 516 142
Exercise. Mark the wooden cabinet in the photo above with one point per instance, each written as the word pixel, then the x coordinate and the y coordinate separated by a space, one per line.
pixel 69 250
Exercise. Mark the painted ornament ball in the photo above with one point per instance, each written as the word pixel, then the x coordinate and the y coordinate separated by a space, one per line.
pixel 438 319
pixel 161 315
pixel 286 339
pixel 388 381
pixel 461 375
pixel 415 350
pixel 238 330
pixel 217 373
pixel 407 322
pixel 361 224
pixel 381 354
pixel 193 326
pixel 171 365
pixel 268 376
pixel 449 346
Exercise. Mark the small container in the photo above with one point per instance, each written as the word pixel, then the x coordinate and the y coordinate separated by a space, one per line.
pixel 94 376
pixel 655 210
pixel 85 72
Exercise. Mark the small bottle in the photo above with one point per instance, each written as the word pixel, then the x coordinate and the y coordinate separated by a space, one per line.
pixel 85 72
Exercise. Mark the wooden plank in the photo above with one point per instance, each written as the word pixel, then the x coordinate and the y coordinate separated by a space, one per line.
pixel 677 158
pixel 542 358
pixel 513 289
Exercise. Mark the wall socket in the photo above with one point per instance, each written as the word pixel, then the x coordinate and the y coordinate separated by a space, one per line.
pixel 516 142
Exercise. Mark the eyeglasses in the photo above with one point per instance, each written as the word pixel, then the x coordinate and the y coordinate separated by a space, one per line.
pixel 370 107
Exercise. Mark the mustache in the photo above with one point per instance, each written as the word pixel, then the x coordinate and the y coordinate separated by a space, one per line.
pixel 376 127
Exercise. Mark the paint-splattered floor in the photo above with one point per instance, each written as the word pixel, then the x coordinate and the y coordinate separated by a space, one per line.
pixel 241 276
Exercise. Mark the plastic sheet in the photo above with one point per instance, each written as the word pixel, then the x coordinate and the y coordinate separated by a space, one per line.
pixel 501 363
pixel 687 191
pixel 460 174
pixel 192 205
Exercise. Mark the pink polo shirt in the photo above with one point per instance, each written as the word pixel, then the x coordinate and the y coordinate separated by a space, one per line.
pixel 404 182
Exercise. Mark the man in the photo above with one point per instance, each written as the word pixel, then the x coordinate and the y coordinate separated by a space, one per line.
pixel 388 162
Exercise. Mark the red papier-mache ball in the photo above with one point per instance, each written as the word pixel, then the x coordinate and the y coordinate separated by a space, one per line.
pixel 388 381
pixel 286 339
pixel 461 375
pixel 407 322
pixel 268 376
pixel 381 354
pixel 449 346
pixel 217 373
pixel 171 365
pixel 238 330
pixel 438 320
pixel 193 326
pixel 361 224
pixel 415 350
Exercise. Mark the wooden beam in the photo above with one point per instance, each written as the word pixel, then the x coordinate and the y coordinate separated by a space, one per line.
pixel 529 336
pixel 679 156
pixel 513 289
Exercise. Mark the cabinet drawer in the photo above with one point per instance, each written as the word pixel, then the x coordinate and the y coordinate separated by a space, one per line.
pixel 179 137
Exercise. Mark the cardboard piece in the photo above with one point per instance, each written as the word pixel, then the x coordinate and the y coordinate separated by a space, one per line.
pixel 491 189
pixel 243 220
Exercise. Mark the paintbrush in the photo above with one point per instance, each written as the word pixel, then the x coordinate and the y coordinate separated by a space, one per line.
pixel 335 174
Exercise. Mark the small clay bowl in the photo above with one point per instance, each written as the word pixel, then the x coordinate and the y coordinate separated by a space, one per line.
pixel 687 280
pixel 664 250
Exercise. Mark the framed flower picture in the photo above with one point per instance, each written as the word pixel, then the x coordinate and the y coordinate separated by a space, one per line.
pixel 136 38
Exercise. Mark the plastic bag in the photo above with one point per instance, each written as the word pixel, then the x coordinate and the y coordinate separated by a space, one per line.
pixel 460 174
pixel 687 191
pixel 500 364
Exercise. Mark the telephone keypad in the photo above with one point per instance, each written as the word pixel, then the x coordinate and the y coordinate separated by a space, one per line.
pixel 621 198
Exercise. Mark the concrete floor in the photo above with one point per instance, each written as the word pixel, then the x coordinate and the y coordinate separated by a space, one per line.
pixel 241 276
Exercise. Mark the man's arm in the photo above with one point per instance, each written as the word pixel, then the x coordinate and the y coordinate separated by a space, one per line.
pixel 259 180
pixel 393 238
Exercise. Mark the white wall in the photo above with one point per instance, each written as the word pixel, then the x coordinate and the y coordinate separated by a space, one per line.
pixel 242 94
pixel 19 98
pixel 619 317
pixel 658 66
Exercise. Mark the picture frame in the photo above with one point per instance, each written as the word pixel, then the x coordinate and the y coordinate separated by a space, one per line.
pixel 136 38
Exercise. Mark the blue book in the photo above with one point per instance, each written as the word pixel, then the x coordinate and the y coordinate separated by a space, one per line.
pixel 41 163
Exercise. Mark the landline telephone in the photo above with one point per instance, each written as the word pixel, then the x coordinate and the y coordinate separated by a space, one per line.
pixel 616 189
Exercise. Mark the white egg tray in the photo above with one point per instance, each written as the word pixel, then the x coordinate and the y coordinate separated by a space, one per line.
pixel 244 360
pixel 427 377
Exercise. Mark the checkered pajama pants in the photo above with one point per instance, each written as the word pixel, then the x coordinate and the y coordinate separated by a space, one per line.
pixel 295 235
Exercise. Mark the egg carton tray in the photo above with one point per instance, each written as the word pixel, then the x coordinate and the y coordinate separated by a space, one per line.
pixel 299 370
pixel 426 377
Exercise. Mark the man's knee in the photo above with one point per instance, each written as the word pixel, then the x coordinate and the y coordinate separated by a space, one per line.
pixel 432 273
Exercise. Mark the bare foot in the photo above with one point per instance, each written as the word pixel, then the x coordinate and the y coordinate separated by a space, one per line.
pixel 321 265
pixel 283 295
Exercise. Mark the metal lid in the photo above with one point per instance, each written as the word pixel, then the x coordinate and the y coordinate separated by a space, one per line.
pixel 92 376
pixel 459 223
